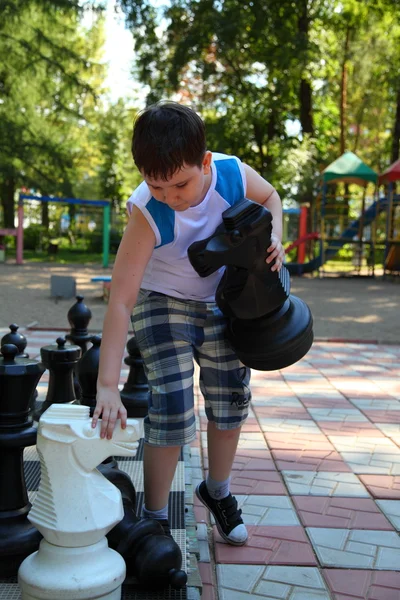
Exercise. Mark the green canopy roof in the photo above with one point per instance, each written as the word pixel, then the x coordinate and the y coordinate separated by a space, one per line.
pixel 350 169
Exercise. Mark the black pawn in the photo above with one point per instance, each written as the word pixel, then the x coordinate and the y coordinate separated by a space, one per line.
pixel 17 339
pixel 18 380
pixel 135 394
pixel 87 370
pixel 60 360
pixel 79 316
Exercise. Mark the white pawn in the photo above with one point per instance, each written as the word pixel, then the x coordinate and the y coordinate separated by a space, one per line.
pixel 75 508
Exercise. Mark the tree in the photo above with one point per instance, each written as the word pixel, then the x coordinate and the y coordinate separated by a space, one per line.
pixel 48 87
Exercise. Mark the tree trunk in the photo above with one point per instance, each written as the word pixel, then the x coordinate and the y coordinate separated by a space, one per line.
pixel 45 215
pixel 7 200
pixel 396 131
pixel 306 116
pixel 305 91
pixel 343 93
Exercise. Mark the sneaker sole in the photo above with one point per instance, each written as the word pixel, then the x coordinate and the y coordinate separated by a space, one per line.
pixel 221 533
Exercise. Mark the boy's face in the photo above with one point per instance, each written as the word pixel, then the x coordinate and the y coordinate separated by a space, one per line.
pixel 187 187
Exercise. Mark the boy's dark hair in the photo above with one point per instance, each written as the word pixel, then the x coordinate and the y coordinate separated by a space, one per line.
pixel 167 135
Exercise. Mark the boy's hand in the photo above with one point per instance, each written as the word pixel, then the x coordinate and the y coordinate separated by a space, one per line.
pixel 110 408
pixel 277 253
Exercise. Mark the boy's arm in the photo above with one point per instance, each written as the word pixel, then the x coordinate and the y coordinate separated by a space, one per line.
pixel 259 190
pixel 134 253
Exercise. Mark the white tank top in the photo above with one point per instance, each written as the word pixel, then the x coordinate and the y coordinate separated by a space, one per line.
pixel 169 270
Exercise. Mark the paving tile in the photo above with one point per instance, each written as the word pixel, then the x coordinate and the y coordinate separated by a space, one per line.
pixel 355 548
pixel 267 545
pixel 309 460
pixel 349 513
pixel 208 591
pixel 245 582
pixel 391 508
pixel 364 429
pixel 257 482
pixel 281 412
pixel 277 401
pixel 372 404
pixel 383 416
pixel 267 510
pixel 363 444
pixel 288 426
pixel 311 483
pixel 359 585
pixel 323 402
pixel 377 463
pixel 345 415
pixel 382 486
pixel 249 460
pixel 298 441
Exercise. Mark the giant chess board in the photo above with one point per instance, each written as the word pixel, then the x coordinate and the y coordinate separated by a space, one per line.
pixel 133 466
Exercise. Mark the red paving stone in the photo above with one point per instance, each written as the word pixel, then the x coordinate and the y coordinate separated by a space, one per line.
pixel 383 416
pixel 309 460
pixel 208 592
pixel 250 460
pixel 382 486
pixel 324 402
pixel 355 584
pixel 342 513
pixel 281 412
pixel 298 441
pixel 267 483
pixel 267 546
pixel 350 428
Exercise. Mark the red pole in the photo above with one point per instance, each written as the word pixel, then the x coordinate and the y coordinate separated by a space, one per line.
pixel 20 233
pixel 301 252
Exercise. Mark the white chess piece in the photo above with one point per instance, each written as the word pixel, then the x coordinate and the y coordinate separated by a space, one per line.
pixel 75 508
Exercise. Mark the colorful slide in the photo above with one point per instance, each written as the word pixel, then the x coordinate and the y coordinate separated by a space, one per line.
pixel 348 234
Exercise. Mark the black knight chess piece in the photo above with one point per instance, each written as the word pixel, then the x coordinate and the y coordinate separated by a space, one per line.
pixel 267 327
pixel 18 380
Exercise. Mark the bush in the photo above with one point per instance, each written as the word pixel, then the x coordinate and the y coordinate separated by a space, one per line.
pixel 36 237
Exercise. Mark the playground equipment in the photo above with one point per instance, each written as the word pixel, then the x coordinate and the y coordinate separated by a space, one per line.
pixel 19 231
pixel 363 235
pixel 392 246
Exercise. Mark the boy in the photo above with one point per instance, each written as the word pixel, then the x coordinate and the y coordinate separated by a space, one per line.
pixel 185 190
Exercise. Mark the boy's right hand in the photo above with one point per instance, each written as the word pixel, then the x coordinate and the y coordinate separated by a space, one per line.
pixel 110 408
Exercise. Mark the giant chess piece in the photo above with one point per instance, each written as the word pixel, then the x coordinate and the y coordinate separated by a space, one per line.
pixel 60 360
pixel 152 557
pixel 16 338
pixel 19 340
pixel 18 380
pixel 75 508
pixel 87 371
pixel 136 393
pixel 79 316
pixel 267 327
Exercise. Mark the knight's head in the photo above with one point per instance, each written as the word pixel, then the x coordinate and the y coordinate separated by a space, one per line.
pixel 71 425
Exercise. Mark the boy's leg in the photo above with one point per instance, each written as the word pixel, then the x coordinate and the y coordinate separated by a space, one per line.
pixel 159 467
pixel 224 382
pixel 160 329
pixel 222 445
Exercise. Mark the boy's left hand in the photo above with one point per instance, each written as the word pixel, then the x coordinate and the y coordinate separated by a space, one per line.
pixel 277 253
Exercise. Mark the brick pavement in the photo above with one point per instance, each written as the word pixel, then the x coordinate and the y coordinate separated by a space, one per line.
pixel 317 475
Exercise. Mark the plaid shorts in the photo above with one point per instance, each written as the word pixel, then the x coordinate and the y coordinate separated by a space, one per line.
pixel 171 333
